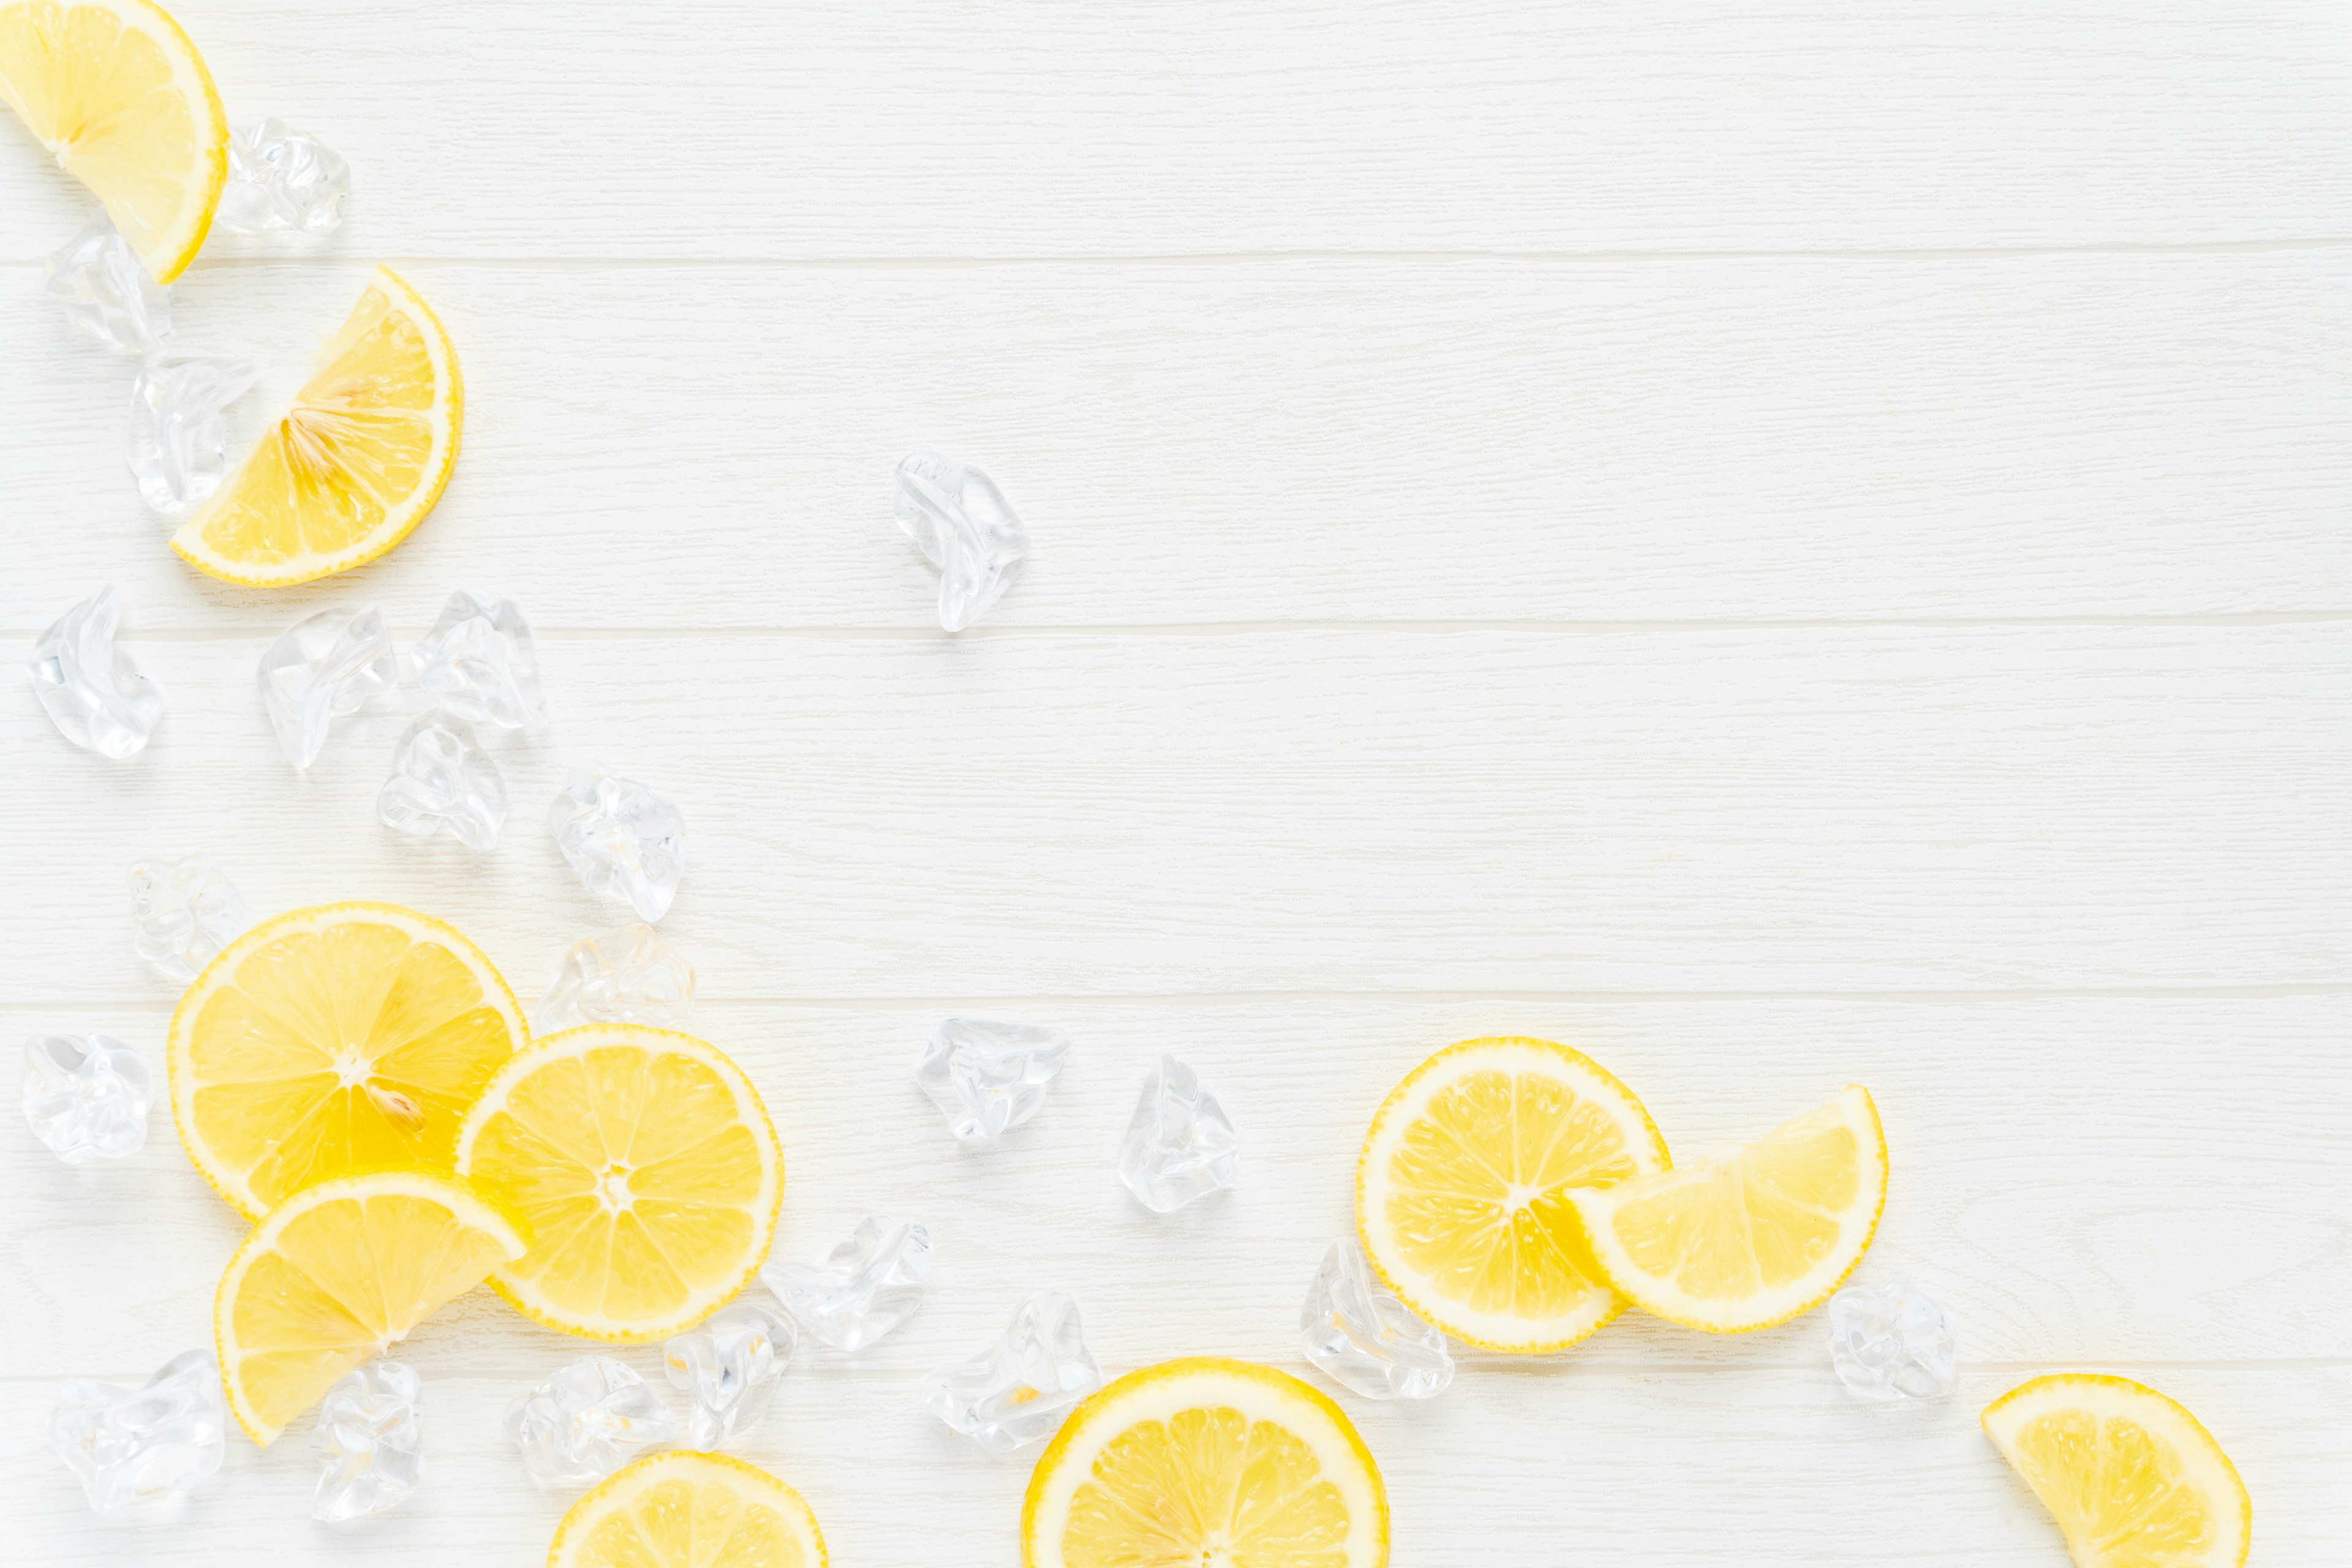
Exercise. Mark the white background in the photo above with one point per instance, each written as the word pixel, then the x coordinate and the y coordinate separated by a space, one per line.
pixel 1783 545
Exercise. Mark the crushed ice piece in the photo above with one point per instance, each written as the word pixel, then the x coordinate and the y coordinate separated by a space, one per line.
pixel 965 528
pixel 104 290
pixel 184 912
pixel 1364 1338
pixel 87 1097
pixel 179 426
pixel 94 694
pixel 324 668
pixel 1018 1390
pixel 731 1366
pixel 442 781
pixel 280 179
pixel 986 1076
pixel 1180 1146
pixel 626 843
pixel 479 663
pixel 1892 1341
pixel 863 1288
pixel 368 1431
pixel 130 1443
pixel 586 1421
pixel 624 976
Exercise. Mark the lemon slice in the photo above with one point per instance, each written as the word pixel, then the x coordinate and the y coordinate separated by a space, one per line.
pixel 335 1275
pixel 1753 1235
pixel 646 1168
pixel 689 1510
pixel 354 465
pixel 122 101
pixel 2132 1478
pixel 1206 1461
pixel 339 1038
pixel 1461 1190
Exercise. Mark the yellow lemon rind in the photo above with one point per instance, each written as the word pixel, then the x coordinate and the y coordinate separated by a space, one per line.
pixel 649 1471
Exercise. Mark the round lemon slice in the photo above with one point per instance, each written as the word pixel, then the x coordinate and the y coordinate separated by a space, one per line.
pixel 1462 1191
pixel 2133 1479
pixel 336 1275
pixel 122 101
pixel 1206 1461
pixel 689 1510
pixel 1755 1234
pixel 340 1038
pixel 646 1168
pixel 354 464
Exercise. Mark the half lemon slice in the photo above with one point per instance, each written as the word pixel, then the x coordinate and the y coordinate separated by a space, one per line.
pixel 689 1510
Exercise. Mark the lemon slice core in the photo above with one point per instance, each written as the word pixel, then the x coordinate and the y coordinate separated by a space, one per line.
pixel 689 1510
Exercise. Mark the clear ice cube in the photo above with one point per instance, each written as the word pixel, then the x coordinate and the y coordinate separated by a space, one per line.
pixel 184 912
pixel 104 290
pixel 442 781
pixel 586 1421
pixel 479 663
pixel 1892 1341
pixel 964 527
pixel 87 1097
pixel 368 1432
pixel 1353 1327
pixel 326 667
pixel 179 426
pixel 130 1443
pixel 624 976
pixel 626 843
pixel 1180 1146
pixel 282 179
pixel 732 1367
pixel 1019 1389
pixel 94 694
pixel 986 1076
pixel 863 1288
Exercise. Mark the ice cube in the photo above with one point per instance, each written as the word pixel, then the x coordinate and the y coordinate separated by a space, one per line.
pixel 442 781
pixel 1019 1389
pixel 87 1097
pixel 324 668
pixel 731 1366
pixel 986 1076
pixel 1180 1146
pixel 94 694
pixel 626 843
pixel 179 427
pixel 1892 1341
pixel 1358 1332
pixel 586 1421
pixel 182 913
pixel 479 663
pixel 624 976
pixel 130 1443
pixel 104 290
pixel 368 1432
pixel 863 1288
pixel 965 528
pixel 282 179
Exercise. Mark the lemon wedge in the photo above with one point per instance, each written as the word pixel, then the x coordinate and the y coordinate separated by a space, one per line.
pixel 1753 1235
pixel 328 1040
pixel 122 101
pixel 2132 1478
pixel 1206 1461
pixel 335 1275
pixel 1461 1190
pixel 357 461
pixel 689 1510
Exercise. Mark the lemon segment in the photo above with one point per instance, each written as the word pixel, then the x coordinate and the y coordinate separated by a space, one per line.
pixel 2132 1478
pixel 1756 1235
pixel 1461 1190
pixel 122 101
pixel 1206 1461
pixel 328 1040
pixel 337 1274
pixel 689 1510
pixel 354 465
pixel 648 1172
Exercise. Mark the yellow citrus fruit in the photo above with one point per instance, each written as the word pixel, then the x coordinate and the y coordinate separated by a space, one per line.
pixel 122 101
pixel 337 1274
pixel 2132 1478
pixel 646 1168
pixel 1752 1235
pixel 354 464
pixel 339 1038
pixel 1206 1461
pixel 689 1510
pixel 1462 1191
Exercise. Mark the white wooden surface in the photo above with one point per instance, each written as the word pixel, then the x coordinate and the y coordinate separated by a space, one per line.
pixel 1784 545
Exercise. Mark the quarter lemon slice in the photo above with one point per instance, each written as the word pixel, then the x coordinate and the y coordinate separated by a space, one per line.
pixel 2132 1478
pixel 689 1510
pixel 356 463
pixel 1753 1235
pixel 1206 1461
pixel 1462 1189
pixel 122 101
pixel 339 1038
pixel 646 1168
pixel 335 1275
